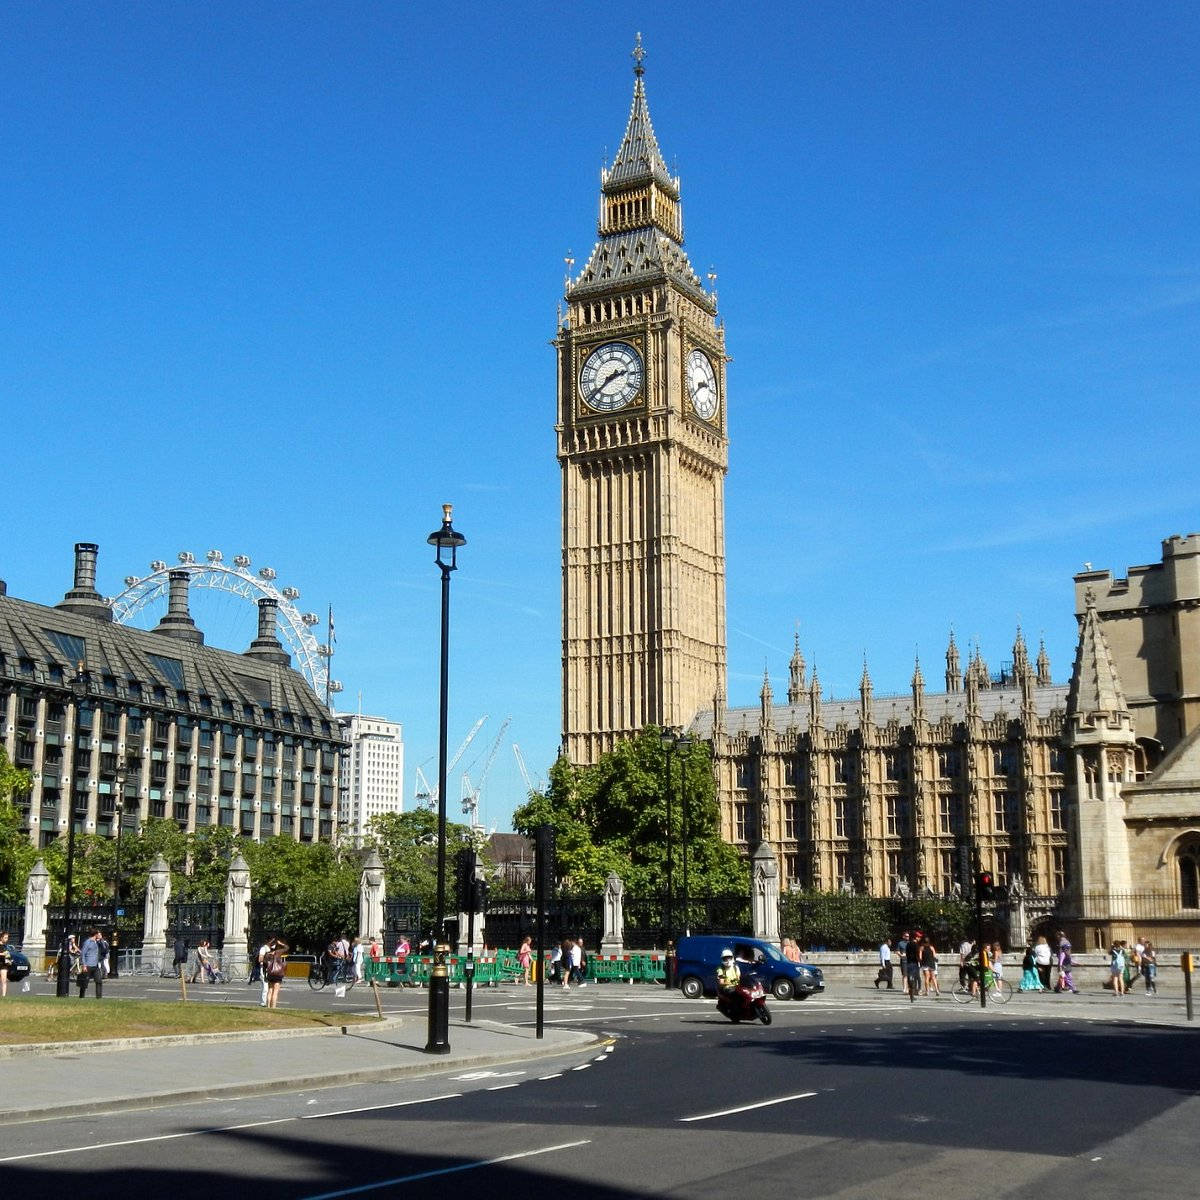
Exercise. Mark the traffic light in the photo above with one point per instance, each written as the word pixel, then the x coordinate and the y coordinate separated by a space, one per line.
pixel 480 895
pixel 464 879
pixel 985 887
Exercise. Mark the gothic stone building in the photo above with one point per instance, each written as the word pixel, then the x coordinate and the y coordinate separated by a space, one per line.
pixel 207 736
pixel 1064 788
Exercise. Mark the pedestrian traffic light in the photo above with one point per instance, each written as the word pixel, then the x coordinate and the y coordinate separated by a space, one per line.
pixel 985 887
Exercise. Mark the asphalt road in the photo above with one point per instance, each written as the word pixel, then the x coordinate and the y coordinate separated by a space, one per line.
pixel 865 1097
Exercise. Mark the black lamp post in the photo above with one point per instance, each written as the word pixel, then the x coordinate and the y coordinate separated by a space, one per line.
pixel 446 541
pixel 683 742
pixel 79 691
pixel 668 745
pixel 119 817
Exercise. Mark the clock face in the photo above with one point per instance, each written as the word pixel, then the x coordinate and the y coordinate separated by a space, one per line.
pixel 611 377
pixel 702 385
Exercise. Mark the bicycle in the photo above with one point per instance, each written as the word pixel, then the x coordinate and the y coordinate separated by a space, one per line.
pixel 999 991
pixel 342 975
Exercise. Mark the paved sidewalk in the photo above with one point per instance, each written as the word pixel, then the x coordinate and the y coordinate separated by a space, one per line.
pixel 72 1079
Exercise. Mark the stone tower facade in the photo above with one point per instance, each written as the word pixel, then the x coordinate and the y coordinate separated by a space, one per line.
pixel 643 451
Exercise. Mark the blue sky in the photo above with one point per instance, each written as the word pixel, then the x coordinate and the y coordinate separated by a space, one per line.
pixel 280 280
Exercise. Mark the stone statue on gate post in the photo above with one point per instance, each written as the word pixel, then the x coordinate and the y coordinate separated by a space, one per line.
pixel 613 941
pixel 237 910
pixel 37 900
pixel 764 893
pixel 372 892
pixel 158 892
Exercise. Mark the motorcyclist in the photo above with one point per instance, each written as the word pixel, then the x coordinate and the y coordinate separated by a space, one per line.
pixel 729 974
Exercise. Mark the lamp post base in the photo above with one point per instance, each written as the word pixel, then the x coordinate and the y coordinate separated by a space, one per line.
pixel 439 1006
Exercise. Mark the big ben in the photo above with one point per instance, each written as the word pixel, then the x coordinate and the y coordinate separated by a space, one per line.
pixel 643 449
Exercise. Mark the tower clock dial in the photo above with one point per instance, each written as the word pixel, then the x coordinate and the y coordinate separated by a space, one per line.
pixel 611 377
pixel 702 385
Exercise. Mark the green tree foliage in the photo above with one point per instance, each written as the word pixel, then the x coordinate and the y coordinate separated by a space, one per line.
pixel 16 853
pixel 613 817
pixel 407 844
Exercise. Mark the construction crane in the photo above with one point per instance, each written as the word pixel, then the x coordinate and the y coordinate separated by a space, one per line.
pixel 430 795
pixel 530 785
pixel 470 794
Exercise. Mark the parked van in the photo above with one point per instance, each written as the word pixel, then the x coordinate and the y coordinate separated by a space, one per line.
pixel 697 959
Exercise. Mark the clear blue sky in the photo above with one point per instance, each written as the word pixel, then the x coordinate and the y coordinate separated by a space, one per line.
pixel 280 280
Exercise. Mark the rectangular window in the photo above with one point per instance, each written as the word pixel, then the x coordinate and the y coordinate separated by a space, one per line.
pixel 740 817
pixel 950 814
pixel 791 812
pixel 1000 812
pixel 896 763
pixel 839 819
pixel 895 866
pixel 950 763
pixel 1056 809
pixel 1004 862
pixel 1061 867
pixel 1058 760
pixel 946 871
pixel 745 774
pixel 897 816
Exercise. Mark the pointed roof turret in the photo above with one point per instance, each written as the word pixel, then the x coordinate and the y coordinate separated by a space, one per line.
pixel 866 691
pixel 1020 655
pixel 953 667
pixel 1043 665
pixel 918 690
pixel 796 674
pixel 639 160
pixel 1096 701
pixel 641 218
pixel 766 699
pixel 814 701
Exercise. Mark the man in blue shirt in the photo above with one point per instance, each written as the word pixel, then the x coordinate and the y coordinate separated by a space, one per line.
pixel 92 959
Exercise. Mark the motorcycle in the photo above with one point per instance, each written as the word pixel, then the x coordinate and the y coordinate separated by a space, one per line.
pixel 746 1002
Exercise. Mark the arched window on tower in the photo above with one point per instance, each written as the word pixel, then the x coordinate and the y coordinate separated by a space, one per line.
pixel 1189 875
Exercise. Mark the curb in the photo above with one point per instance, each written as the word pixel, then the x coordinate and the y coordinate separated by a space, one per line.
pixel 326 1079
pixel 106 1045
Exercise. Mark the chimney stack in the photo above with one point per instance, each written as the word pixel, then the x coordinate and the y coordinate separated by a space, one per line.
pixel 83 598
pixel 266 646
pixel 178 621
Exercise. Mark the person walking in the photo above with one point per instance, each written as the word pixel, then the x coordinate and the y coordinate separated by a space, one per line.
pixel 274 966
pixel 965 949
pixel 525 960
pixel 578 962
pixel 929 969
pixel 1030 981
pixel 1116 968
pixel 1149 968
pixel 901 949
pixel 91 957
pixel 179 955
pixel 260 971
pixel 997 959
pixel 885 965
pixel 912 965
pixel 1065 962
pixel 1043 958
pixel 356 958
pixel 5 961
pixel 200 971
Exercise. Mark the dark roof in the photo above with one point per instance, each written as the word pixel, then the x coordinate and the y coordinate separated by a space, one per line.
pixel 40 645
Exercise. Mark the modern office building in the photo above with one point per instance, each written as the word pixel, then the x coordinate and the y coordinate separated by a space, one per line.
pixel 372 779
pixel 206 736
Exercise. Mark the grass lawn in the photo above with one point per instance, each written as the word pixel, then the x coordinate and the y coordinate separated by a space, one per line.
pixel 66 1019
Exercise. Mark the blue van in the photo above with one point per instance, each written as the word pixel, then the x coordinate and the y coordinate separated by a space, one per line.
pixel 697 959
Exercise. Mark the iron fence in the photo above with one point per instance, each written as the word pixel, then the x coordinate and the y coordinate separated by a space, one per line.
pixel 12 918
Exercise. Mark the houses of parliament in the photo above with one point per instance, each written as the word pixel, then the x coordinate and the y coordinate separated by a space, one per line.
pixel 1089 789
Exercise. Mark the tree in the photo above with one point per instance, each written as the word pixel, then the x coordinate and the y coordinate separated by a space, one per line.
pixel 407 844
pixel 613 817
pixel 17 853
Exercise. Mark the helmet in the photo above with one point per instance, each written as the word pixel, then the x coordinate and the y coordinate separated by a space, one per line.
pixel 726 955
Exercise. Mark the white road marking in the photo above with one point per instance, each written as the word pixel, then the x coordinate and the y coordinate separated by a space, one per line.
pixel 471 1166
pixel 557 1075
pixel 162 1137
pixel 342 1112
pixel 728 1112
pixel 502 1087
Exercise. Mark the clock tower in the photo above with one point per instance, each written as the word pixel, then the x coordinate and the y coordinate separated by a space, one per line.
pixel 643 449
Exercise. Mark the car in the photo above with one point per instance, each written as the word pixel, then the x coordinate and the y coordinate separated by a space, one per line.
pixel 697 959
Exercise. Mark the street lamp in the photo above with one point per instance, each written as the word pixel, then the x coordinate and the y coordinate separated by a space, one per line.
pixel 79 691
pixel 668 744
pixel 446 542
pixel 119 817
pixel 683 742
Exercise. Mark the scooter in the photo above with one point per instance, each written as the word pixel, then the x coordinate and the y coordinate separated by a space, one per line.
pixel 746 1002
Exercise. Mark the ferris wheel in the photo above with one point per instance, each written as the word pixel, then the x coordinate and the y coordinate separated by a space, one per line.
pixel 312 658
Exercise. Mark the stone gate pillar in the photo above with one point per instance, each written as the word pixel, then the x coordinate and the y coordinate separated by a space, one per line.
pixel 764 893
pixel 237 910
pixel 37 898
pixel 372 892
pixel 158 892
pixel 613 941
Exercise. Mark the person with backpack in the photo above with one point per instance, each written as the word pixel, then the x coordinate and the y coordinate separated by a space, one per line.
pixel 274 967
